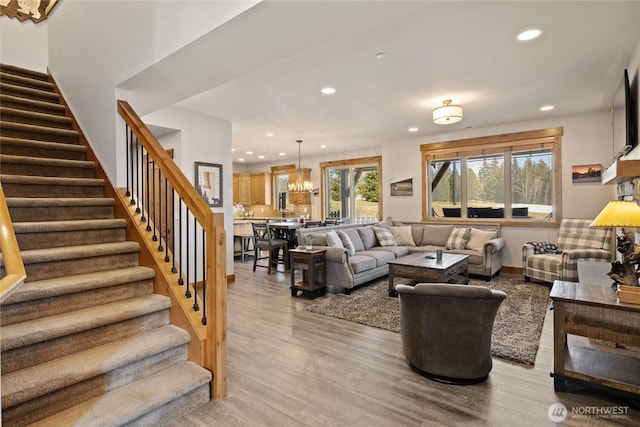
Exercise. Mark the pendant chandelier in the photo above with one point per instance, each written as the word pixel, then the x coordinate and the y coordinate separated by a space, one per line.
pixel 300 185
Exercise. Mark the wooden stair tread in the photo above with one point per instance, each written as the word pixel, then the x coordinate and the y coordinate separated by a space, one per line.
pixel 48 288
pixel 29 383
pixel 47 161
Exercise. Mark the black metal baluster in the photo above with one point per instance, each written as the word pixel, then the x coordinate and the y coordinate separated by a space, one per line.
pixel 166 220
pixel 196 307
pixel 204 278
pixel 133 201
pixel 153 177
pixel 159 226
pixel 186 221
pixel 180 280
pixel 145 182
pixel 173 235
pixel 128 165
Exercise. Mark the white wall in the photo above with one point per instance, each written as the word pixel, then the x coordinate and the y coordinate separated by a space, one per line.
pixel 24 44
pixel 201 139
pixel 96 45
pixel 586 140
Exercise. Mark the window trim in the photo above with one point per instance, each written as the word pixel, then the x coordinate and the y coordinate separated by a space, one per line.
pixel 350 162
pixel 517 141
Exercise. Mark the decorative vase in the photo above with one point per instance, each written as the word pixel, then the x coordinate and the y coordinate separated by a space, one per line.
pixel 308 246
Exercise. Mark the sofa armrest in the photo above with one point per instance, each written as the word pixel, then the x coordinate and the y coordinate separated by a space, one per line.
pixel 527 251
pixel 494 245
pixel 334 254
pixel 586 254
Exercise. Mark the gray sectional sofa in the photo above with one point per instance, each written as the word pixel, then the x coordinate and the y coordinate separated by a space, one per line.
pixel 365 258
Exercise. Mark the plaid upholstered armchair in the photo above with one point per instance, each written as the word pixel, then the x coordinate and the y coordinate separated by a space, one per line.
pixel 548 261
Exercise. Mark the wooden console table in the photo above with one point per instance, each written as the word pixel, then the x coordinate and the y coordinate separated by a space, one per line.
pixel 310 262
pixel 594 312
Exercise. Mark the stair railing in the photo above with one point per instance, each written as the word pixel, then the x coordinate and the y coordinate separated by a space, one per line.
pixel 11 258
pixel 186 240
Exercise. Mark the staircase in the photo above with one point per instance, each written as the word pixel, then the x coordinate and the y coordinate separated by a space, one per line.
pixel 84 341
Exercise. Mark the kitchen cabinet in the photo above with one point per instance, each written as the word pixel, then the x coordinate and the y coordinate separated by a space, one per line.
pixel 242 188
pixel 261 188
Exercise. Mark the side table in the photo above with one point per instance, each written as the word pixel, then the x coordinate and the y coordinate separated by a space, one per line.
pixel 311 263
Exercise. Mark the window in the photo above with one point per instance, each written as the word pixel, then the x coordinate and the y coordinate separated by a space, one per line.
pixel 351 190
pixel 513 177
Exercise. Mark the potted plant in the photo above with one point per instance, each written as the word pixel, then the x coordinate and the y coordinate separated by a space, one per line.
pixel 308 243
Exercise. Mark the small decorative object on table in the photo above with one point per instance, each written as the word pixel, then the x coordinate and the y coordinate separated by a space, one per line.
pixel 623 213
pixel 308 244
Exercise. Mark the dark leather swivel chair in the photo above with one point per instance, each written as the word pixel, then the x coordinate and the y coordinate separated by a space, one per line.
pixel 446 330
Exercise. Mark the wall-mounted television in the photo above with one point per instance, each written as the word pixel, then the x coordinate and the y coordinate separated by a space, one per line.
pixel 625 117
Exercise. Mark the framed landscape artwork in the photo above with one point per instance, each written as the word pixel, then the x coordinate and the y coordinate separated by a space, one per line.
pixel 586 174
pixel 402 187
pixel 208 182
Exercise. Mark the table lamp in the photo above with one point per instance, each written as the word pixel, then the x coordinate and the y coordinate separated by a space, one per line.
pixel 623 214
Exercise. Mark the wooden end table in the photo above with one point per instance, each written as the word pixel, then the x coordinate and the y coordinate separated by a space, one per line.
pixel 593 311
pixel 311 263
pixel 423 267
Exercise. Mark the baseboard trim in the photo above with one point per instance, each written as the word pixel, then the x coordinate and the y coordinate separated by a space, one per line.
pixel 511 270
pixel 231 278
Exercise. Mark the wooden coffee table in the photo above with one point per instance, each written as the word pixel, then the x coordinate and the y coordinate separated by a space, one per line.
pixel 423 267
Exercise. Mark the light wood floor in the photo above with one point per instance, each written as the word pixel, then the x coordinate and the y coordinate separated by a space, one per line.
pixel 290 367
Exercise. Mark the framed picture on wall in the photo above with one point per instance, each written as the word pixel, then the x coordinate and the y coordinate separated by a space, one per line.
pixel 402 187
pixel 209 183
pixel 586 174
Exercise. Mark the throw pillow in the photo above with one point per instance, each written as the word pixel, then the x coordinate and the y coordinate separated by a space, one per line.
pixel 458 238
pixel 354 236
pixel 368 237
pixel 544 248
pixel 384 236
pixel 333 239
pixel 436 235
pixel 346 241
pixel 318 239
pixel 402 235
pixel 477 239
pixel 385 224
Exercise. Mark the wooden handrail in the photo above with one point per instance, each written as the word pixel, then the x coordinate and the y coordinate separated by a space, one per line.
pixel 13 265
pixel 211 349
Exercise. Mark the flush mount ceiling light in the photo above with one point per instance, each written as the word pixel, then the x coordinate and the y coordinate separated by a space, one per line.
pixel 328 90
pixel 547 108
pixel 447 114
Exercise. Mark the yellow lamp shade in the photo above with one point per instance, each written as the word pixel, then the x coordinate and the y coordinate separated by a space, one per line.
pixel 619 213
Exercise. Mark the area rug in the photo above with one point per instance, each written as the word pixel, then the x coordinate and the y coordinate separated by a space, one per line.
pixel 516 331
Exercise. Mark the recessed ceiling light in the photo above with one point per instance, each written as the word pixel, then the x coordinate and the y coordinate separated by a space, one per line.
pixel 529 34
pixel 261 157
pixel 547 108
pixel 380 55
pixel 323 146
pixel 269 134
pixel 233 149
pixel 241 159
pixel 249 152
pixel 282 154
pixel 414 129
pixel 328 90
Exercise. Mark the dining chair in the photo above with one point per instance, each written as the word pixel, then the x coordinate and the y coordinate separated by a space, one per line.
pixel 264 242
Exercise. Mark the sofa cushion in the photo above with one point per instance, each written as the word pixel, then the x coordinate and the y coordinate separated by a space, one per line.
pixel 333 239
pixel 402 235
pixel 436 235
pixel 417 232
pixel 346 241
pixel 384 224
pixel 384 236
pixel 360 263
pixel 354 236
pixel 368 237
pixel 458 238
pixel 477 238
pixel 475 257
pixel 319 239
pixel 397 251
pixel 381 257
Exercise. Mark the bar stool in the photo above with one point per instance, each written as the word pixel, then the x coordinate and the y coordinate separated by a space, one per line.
pixel 262 241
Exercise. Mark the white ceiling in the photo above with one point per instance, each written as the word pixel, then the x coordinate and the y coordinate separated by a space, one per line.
pixel 267 66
